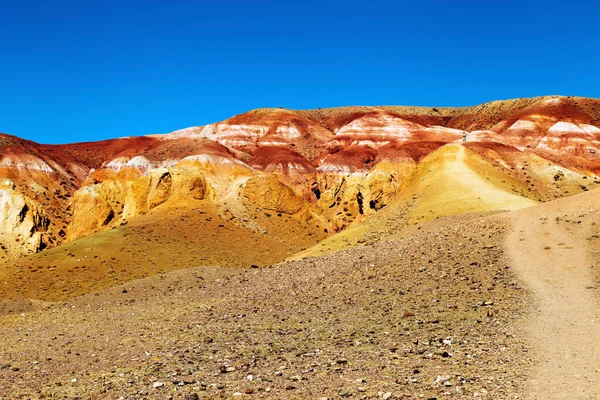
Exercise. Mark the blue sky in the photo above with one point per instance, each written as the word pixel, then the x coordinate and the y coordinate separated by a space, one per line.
pixel 90 70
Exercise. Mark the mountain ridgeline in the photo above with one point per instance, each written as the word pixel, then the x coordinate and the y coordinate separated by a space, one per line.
pixel 299 177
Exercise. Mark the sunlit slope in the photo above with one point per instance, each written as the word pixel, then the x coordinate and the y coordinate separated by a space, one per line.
pixel 451 180
pixel 165 239
pixel 446 183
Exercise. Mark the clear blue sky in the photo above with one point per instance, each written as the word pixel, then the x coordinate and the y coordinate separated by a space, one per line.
pixel 88 70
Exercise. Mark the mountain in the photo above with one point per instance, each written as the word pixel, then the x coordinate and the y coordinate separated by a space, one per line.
pixel 269 184
pixel 363 252
pixel 500 306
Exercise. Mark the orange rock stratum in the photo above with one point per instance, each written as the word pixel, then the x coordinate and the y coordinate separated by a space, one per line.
pixel 271 183
pixel 363 252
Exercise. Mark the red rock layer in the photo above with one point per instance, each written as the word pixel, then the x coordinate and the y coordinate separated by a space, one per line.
pixel 341 164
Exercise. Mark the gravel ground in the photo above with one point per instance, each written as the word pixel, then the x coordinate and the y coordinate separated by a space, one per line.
pixel 431 314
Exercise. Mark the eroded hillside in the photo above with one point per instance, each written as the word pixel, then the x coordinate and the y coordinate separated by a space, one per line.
pixel 384 291
pixel 318 172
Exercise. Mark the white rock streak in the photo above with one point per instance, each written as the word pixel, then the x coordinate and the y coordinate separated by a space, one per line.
pixel 27 162
pixel 383 126
pixel 522 124
pixel 560 128
pixel 140 163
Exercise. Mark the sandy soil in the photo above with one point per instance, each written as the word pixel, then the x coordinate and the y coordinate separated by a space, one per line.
pixel 550 250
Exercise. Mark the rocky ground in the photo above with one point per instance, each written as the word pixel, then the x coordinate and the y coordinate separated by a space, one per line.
pixel 430 314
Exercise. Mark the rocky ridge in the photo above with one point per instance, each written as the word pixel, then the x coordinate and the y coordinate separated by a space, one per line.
pixel 336 166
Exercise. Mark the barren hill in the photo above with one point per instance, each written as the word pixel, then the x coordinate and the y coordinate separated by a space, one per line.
pixel 292 177
pixel 342 165
pixel 467 306
pixel 367 252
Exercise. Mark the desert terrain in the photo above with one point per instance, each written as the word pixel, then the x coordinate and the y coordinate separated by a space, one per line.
pixel 361 252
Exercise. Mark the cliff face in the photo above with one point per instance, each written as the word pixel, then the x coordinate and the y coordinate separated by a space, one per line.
pixel 331 167
pixel 23 221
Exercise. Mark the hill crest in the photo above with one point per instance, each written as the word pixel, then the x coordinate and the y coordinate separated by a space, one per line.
pixel 326 169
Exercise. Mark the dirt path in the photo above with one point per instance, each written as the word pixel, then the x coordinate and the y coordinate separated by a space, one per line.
pixel 553 258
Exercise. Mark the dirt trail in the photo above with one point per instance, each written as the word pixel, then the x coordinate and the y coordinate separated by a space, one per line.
pixel 550 252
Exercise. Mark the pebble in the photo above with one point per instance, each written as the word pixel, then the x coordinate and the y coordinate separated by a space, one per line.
pixel 423 338
pixel 158 384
